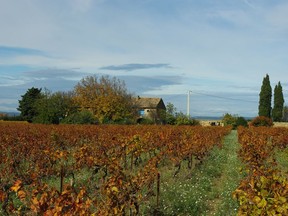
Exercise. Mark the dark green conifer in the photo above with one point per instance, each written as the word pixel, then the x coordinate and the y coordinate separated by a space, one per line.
pixel 277 112
pixel 27 104
pixel 264 108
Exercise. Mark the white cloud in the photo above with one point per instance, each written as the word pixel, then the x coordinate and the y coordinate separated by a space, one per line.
pixel 31 60
pixel 8 81
pixel 7 101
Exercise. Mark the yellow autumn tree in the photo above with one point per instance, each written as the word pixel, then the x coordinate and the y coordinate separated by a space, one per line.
pixel 107 98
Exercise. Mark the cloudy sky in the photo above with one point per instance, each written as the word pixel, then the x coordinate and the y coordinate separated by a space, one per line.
pixel 220 50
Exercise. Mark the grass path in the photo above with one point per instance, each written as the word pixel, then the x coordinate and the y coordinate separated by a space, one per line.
pixel 208 189
pixel 229 179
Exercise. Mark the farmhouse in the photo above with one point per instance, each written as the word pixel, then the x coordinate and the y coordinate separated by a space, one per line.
pixel 150 108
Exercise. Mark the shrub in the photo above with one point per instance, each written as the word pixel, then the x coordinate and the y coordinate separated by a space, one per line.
pixel 234 120
pixel 83 117
pixel 182 119
pixel 262 121
pixel 145 121
pixel 241 121
pixel 124 121
pixel 229 119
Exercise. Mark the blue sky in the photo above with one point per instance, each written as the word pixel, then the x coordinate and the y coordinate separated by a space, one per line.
pixel 219 50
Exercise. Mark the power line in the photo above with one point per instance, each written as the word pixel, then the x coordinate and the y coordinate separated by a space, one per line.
pixel 209 95
pixel 225 98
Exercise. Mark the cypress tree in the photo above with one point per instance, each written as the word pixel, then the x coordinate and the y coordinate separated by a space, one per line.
pixel 264 108
pixel 277 112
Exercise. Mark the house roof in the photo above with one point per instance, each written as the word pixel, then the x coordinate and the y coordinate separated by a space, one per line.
pixel 148 102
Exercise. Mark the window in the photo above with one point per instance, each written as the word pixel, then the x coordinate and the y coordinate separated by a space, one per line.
pixel 141 112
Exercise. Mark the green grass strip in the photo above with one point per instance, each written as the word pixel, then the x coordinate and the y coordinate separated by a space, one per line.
pixel 207 189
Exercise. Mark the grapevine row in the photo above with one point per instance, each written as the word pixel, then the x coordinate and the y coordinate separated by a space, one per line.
pixel 120 165
pixel 264 191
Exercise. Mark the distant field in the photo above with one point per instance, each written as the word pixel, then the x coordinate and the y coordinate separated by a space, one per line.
pixel 210 122
pixel 280 124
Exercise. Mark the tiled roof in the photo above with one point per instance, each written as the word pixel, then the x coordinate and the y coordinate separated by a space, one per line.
pixel 147 102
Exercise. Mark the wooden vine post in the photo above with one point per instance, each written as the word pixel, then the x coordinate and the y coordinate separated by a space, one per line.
pixel 158 189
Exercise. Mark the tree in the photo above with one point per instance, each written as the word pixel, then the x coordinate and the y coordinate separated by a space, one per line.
pixel 285 113
pixel 277 112
pixel 183 119
pixel 107 98
pixel 229 119
pixel 234 120
pixel 265 98
pixel 170 114
pixel 27 104
pixel 178 118
pixel 53 107
pixel 241 121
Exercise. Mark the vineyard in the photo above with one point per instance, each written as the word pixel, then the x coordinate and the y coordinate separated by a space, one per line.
pixel 126 170
pixel 264 191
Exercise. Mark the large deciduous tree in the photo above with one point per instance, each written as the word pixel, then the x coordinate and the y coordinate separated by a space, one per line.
pixel 27 105
pixel 277 112
pixel 264 108
pixel 107 98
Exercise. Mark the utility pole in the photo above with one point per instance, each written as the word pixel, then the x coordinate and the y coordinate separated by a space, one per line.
pixel 188 104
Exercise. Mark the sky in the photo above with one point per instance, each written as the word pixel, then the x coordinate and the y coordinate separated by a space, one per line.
pixel 218 50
